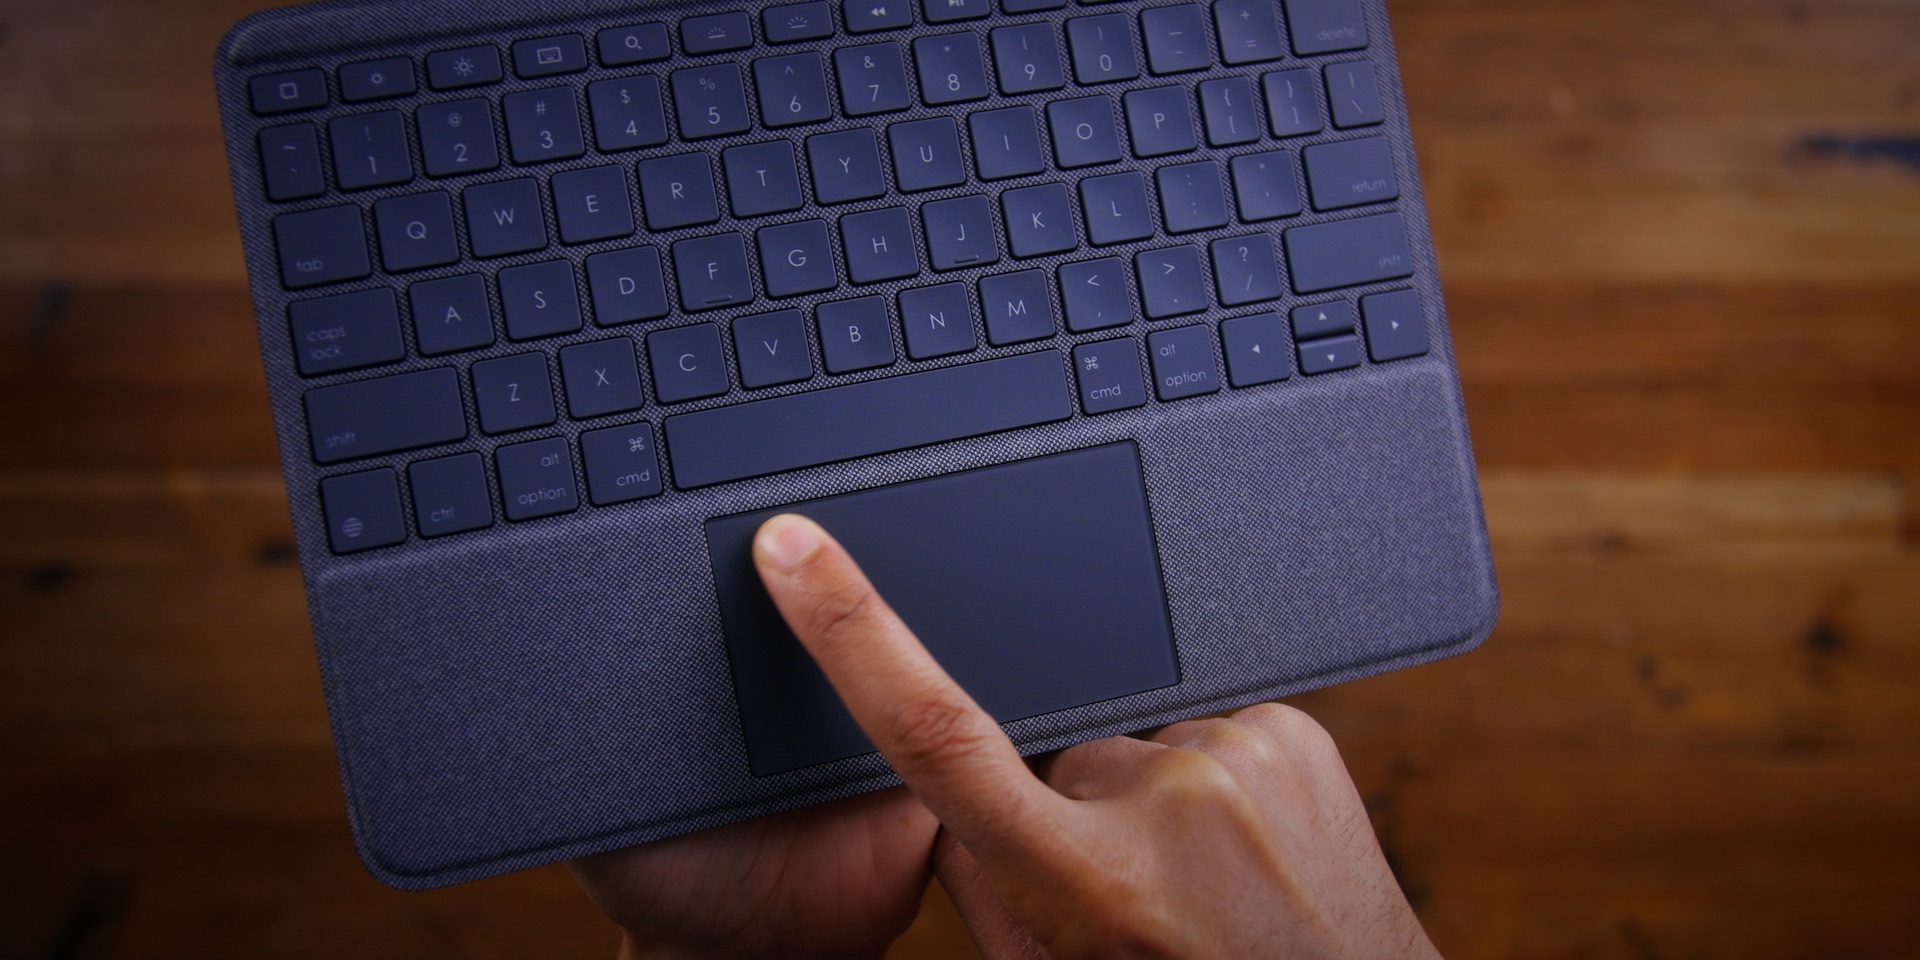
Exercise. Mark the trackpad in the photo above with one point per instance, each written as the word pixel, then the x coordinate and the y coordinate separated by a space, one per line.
pixel 1035 584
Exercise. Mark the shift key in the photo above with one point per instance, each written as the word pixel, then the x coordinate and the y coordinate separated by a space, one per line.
pixel 372 417
pixel 1348 253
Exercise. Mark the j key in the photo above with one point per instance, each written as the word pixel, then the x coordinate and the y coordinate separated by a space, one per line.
pixel 346 332
pixel 416 231
pixel 622 464
pixel 1006 143
pixel 867 16
pixel 457 138
pixel 846 166
pixel 536 479
pixel 450 495
pixel 687 363
pixel 513 393
pixel 1246 269
pixel 1018 306
pixel 1264 186
pixel 278 93
pixel 290 162
pixel 1249 32
pixel 1351 173
pixel 1231 115
pixel 797 21
pixel 543 125
pixel 1292 107
pixel 1083 131
pixel 602 377
pixel 879 245
pixel 772 348
pixel 762 178
pixel 1183 363
pixel 642 43
pixel 1396 329
pixel 1348 253
pixel 711 101
pixel 372 417
pixel 1102 48
pixel 1027 58
pixel 960 233
pixel 938 320
pixel 947 11
pixel 505 218
pixel 678 191
pixel 1116 208
pixel 370 150
pixel 1160 121
pixel 363 511
pixel 592 204
pixel 1176 39
pixel 550 56
pixel 873 78
pixel 951 70
pixel 321 246
pixel 1039 220
pixel 854 335
pixel 722 31
pixel 1326 356
pixel 713 272
pixel 627 113
pixel 1172 281
pixel 1095 293
pixel 792 89
pixel 540 300
pixel 466 67
pixel 926 154
pixel 797 258
pixel 452 315
pixel 628 286
pixel 1354 94
pixel 1109 374
pixel 377 80
pixel 1191 197
pixel 1256 349
pixel 1324 26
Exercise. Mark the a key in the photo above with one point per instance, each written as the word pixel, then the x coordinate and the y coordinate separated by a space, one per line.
pixel 641 43
pixel 1230 113
pixel 623 464
pixel 513 393
pixel 716 33
pixel 602 377
pixel 1183 363
pixel 1396 327
pixel 938 320
pixel 278 93
pixel 363 511
pixel 450 495
pixel 1006 143
pixel 1083 131
pixel 1095 293
pixel 1256 349
pixel 762 178
pixel 592 204
pixel 1109 375
pixel 879 245
pixel 712 272
pixel 370 150
pixel 793 22
pixel 627 286
pixel 1348 253
pixel 1317 320
pixel 540 300
pixel 873 78
pixel 1172 281
pixel 1176 39
pixel 854 335
pixel 772 348
pixel 1264 186
pixel 347 332
pixel 457 138
pixel 1160 121
pixel 846 166
pixel 797 258
pixel 543 125
pixel 1324 26
pixel 1246 269
pixel 926 154
pixel 451 315
pixel 290 162
pixel 465 67
pixel 377 80
pixel 1027 58
pixel 1354 93
pixel 368 418
pixel 1292 107
pixel 1018 307
pixel 1326 356
pixel 1039 220
pixel 1102 48
pixel 536 479
pixel 710 101
pixel 960 233
pixel 1351 173
pixel 950 68
pixel 416 232
pixel 793 89
pixel 678 191
pixel 550 56
pixel 1191 197
pixel 321 246
pixel 627 113
pixel 1249 31
pixel 505 218
pixel 1116 208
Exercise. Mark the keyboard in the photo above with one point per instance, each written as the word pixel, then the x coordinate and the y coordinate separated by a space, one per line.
pixel 544 295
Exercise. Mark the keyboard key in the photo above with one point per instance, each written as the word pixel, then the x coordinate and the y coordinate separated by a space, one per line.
pixel 716 33
pixel 796 21
pixel 1039 220
pixel 1348 253
pixel 1109 374
pixel 951 70
pixel 321 246
pixel 505 218
pixel 926 154
pixel 862 419
pixel 1256 349
pixel 1172 281
pixel 846 166
pixel 1027 58
pixel 388 415
pixel 854 334
pixel 797 258
pixel 290 162
pixel 627 113
pixel 1354 94
pixel 960 233
pixel 938 320
pixel 513 393
pixel 867 16
pixel 278 93
pixel 687 363
pixel 363 511
pixel 1030 6
pixel 678 191
pixel 711 101
pixel 452 315
pixel 793 90
pixel 602 377
pixel 416 231
pixel 1292 107
pixel 1176 39
pixel 628 286
pixel 450 495
pixel 1183 363
pixel 1160 121
pixel 540 300
pixel 377 80
pixel 536 479
pixel 465 67
pixel 622 464
pixel 1095 292
pixel 1116 208
pixel 1006 143
pixel 1326 356
pixel 1102 48
pixel 641 43
pixel 1264 186
pixel 1230 113
pixel 543 125
pixel 1396 327
pixel 947 11
pixel 873 78
pixel 1018 307
pixel 762 178
pixel 772 348
pixel 346 332
pixel 370 150
pixel 879 245
pixel 1249 31
pixel 1317 320
pixel 1191 197
pixel 1246 269
pixel 457 138
pixel 1324 26
pixel 592 204
pixel 550 56
pixel 1351 173
pixel 1083 131
pixel 713 272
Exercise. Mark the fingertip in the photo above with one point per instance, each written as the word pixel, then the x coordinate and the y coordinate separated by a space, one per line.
pixel 786 541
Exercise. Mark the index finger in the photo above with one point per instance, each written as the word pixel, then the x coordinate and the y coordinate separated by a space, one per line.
pixel 947 749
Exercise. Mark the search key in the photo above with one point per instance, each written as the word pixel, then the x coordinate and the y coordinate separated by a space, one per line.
pixel 642 43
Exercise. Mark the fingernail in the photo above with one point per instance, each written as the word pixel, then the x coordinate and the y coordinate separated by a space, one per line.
pixel 786 540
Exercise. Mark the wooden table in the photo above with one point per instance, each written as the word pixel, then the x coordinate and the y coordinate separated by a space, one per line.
pixel 1681 243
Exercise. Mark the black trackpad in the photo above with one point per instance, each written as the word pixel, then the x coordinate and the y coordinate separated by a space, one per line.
pixel 1035 584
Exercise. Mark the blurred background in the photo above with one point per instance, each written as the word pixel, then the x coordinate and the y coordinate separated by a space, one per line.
pixel 1681 247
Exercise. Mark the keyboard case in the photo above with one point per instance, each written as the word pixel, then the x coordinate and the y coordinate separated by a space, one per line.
pixel 545 690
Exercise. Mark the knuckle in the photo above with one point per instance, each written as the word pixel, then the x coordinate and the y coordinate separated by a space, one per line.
pixel 843 615
pixel 1186 776
pixel 935 732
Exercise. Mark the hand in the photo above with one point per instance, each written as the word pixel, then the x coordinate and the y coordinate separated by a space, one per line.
pixel 1238 837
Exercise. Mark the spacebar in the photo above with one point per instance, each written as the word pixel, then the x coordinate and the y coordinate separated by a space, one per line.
pixel 863 419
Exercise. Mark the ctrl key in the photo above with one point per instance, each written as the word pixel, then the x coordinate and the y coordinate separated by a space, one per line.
pixel 450 495
pixel 363 511
pixel 536 479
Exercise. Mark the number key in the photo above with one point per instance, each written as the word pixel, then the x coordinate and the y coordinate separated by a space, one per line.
pixel 458 138
pixel 950 68
pixel 793 89
pixel 712 101
pixel 370 150
pixel 627 113
pixel 1027 57
pixel 1102 48
pixel 543 125
pixel 873 79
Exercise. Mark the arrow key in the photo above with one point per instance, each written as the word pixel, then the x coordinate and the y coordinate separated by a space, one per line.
pixel 1326 356
pixel 1316 320
pixel 1396 329
pixel 1256 349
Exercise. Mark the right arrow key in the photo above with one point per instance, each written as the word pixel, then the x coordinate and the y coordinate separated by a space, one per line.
pixel 1396 328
